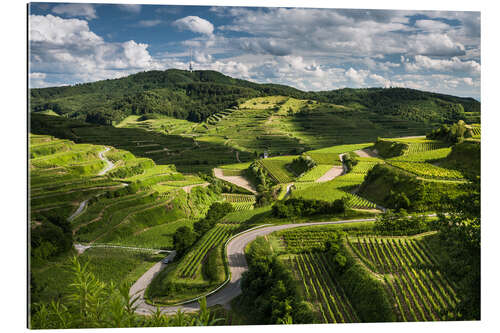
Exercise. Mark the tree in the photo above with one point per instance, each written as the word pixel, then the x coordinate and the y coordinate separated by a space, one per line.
pixel 460 238
pixel 183 238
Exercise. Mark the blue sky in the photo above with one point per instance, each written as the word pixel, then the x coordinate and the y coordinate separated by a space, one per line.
pixel 310 49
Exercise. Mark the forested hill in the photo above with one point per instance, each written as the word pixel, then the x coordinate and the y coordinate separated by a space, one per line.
pixel 197 95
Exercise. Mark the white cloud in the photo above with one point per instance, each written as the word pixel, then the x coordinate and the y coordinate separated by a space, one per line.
pixel 434 44
pixel 134 9
pixel 202 57
pixel 195 24
pixel 380 80
pixel 148 23
pixel 36 75
pixel 356 76
pixel 68 46
pixel 76 10
pixel 443 65
pixel 432 25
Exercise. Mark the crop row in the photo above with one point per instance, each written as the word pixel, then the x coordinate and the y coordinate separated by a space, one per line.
pixel 192 262
pixel 325 158
pixel 419 147
pixel 299 241
pixel 363 167
pixel 230 173
pixel 423 156
pixel 420 292
pixel 235 197
pixel 276 169
pixel 314 173
pixel 428 170
pixel 356 201
pixel 241 206
pixel 321 289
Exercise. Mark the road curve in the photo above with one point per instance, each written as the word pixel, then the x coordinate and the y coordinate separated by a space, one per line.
pixel 235 251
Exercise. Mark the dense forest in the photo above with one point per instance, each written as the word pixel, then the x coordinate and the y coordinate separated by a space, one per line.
pixel 197 95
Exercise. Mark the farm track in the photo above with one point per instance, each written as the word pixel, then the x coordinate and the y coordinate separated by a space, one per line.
pixel 188 188
pixel 235 252
pixel 333 173
pixel 366 153
pixel 237 180
pixel 109 165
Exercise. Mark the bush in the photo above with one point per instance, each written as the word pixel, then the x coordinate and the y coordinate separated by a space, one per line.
pixel 269 293
pixel 398 224
pixel 301 165
pixel 366 294
pixel 349 160
pixel 210 268
pixel 183 238
pixel 303 207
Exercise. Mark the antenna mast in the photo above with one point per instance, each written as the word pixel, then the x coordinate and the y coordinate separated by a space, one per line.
pixel 190 60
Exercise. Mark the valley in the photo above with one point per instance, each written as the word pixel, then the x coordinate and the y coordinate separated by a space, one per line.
pixel 282 206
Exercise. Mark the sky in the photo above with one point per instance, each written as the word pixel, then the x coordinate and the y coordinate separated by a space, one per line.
pixel 307 48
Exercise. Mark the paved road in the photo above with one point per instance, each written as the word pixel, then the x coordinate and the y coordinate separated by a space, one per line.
pixel 237 266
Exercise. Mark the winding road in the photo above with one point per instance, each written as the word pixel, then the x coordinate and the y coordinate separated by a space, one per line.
pixel 109 164
pixel 237 265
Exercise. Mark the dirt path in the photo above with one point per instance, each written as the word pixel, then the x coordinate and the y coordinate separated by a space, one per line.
pixel 80 209
pixel 109 164
pixel 188 188
pixel 334 172
pixel 366 153
pixel 235 250
pixel 237 180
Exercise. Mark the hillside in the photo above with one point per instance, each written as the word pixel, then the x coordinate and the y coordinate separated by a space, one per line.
pixel 198 95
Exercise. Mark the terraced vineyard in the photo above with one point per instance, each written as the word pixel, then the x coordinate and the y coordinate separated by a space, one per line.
pixel 240 201
pixel 330 302
pixel 190 265
pixel 276 167
pixel 429 155
pixel 334 189
pixel 324 158
pixel 427 170
pixel 419 289
pixel 315 173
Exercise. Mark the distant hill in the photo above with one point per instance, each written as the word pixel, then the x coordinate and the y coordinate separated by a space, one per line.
pixel 197 95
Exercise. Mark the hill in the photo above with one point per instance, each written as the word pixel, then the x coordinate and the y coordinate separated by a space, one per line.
pixel 197 95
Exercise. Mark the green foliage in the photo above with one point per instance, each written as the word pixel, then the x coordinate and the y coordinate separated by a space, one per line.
pixel 360 286
pixel 51 238
pixel 215 213
pixel 400 223
pixel 301 164
pixel 466 157
pixel 297 207
pixel 259 176
pixel 184 238
pixel 350 160
pixel 387 149
pixel 90 303
pixel 269 294
pixel 455 133
pixel 210 267
pixel 460 246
